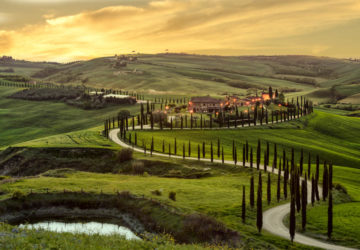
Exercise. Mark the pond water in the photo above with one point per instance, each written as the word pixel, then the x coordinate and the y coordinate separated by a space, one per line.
pixel 83 227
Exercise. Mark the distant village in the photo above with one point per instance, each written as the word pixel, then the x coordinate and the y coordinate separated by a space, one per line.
pixel 207 104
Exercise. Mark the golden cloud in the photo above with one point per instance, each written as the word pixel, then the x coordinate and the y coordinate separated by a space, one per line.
pixel 177 25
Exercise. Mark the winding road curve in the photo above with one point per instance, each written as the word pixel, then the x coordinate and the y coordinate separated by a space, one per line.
pixel 273 218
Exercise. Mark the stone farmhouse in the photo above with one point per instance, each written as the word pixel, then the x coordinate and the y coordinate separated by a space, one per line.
pixel 204 104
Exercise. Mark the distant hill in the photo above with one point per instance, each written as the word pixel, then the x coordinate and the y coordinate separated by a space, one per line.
pixel 323 79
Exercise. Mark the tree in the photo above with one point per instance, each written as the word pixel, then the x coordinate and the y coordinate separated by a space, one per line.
pixel 247 150
pixel 183 150
pixel 275 157
pixel 330 215
pixel 243 211
pixel 297 190
pixel 163 145
pixel 222 155
pixel 212 152
pixel 189 149
pixel 304 203
pixel 252 191
pixel 259 218
pixel 235 155
pixel 312 190
pixel 152 146
pixel 292 218
pixel 270 92
pixel 269 189
pixel 267 153
pixel 325 188
pixel 198 151
pixel 258 155
pixel 175 147
pixel 278 193
pixel 251 158
pixel 265 161
pixel 203 150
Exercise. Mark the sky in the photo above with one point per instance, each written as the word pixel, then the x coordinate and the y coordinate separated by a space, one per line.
pixel 69 30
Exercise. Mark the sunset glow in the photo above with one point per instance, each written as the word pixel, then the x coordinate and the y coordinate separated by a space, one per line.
pixel 66 30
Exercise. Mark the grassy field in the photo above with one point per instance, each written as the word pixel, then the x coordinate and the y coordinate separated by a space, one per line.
pixel 335 138
pixel 215 75
pixel 26 120
pixel 218 196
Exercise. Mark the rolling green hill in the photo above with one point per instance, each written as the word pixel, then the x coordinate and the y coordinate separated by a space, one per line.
pixel 323 79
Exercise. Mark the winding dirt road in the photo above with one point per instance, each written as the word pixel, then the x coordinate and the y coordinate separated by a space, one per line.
pixel 273 218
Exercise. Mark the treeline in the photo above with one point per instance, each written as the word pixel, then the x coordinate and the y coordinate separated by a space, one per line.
pixel 259 116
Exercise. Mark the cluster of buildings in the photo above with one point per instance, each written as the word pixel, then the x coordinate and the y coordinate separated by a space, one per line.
pixel 207 104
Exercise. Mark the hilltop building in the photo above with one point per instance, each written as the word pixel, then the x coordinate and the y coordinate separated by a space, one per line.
pixel 204 104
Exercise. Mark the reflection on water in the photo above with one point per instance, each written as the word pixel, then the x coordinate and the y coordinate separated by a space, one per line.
pixel 86 227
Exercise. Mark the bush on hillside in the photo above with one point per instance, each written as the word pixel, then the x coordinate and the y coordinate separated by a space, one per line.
pixel 172 196
pixel 138 168
pixel 125 154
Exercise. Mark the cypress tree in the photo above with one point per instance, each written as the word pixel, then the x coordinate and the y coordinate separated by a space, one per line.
pixel 284 159
pixel 317 168
pixel 304 203
pixel 259 219
pixel 171 123
pixel 278 192
pixel 203 150
pixel 235 156
pixel 258 155
pixel 312 190
pixel 252 191
pixel 285 182
pixel 163 146
pixel 144 145
pixel 152 121
pixel 152 146
pixel 325 188
pixel 189 147
pixel 251 158
pixel 222 155
pixel 212 152
pixel 175 147
pixel 183 150
pixel 297 190
pixel 247 151
pixel 316 189
pixel 292 219
pixel 265 161
pixel 330 215
pixel 269 189
pixel 198 151
pixel 243 211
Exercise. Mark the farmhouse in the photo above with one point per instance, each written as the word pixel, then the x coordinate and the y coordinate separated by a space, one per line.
pixel 204 104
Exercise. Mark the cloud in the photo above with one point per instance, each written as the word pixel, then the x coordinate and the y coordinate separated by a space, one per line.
pixel 223 26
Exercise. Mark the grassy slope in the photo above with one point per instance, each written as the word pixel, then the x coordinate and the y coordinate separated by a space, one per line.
pixel 334 138
pixel 26 120
pixel 215 75
pixel 218 196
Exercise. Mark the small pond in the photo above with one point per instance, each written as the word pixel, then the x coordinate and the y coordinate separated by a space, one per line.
pixel 82 227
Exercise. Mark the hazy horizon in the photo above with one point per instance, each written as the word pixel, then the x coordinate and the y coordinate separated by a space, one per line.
pixel 69 30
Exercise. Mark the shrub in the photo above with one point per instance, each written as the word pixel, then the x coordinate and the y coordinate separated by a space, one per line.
pixel 156 192
pixel 18 195
pixel 172 196
pixel 138 168
pixel 2 177
pixel 125 154
pixel 340 188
